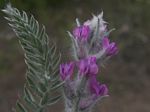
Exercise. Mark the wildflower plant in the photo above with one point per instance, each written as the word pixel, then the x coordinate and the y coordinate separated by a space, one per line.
pixel 91 46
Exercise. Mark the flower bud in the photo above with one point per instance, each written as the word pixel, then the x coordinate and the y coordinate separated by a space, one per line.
pixel 82 32
pixel 88 66
pixel 111 48
pixel 97 88
pixel 66 70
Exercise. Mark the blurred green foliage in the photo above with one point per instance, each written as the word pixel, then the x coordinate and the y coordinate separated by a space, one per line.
pixel 30 4
pixel 129 17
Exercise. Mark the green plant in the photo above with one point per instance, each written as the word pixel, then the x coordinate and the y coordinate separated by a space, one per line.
pixel 91 48
pixel 42 79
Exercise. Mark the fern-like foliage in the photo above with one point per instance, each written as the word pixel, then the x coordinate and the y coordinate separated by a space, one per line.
pixel 42 79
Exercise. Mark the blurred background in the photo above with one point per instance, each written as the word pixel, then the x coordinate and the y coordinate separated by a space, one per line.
pixel 127 74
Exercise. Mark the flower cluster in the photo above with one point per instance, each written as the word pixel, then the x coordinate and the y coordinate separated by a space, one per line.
pixel 91 44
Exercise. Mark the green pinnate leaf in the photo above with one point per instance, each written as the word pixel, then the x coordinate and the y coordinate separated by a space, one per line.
pixel 53 100
pixel 20 107
pixel 41 58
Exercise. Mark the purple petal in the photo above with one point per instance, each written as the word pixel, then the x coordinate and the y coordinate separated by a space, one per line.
pixel 88 66
pixel 82 32
pixel 66 70
pixel 77 32
pixel 83 67
pixel 94 86
pixel 85 32
pixel 103 90
pixel 93 69
pixel 105 42
pixel 112 49
pixel 92 59
pixel 97 88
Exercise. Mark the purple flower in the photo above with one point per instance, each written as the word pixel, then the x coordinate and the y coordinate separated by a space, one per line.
pixel 111 48
pixel 97 88
pixel 82 32
pixel 88 66
pixel 66 70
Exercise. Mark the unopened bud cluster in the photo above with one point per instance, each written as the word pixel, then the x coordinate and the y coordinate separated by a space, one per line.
pixel 90 46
